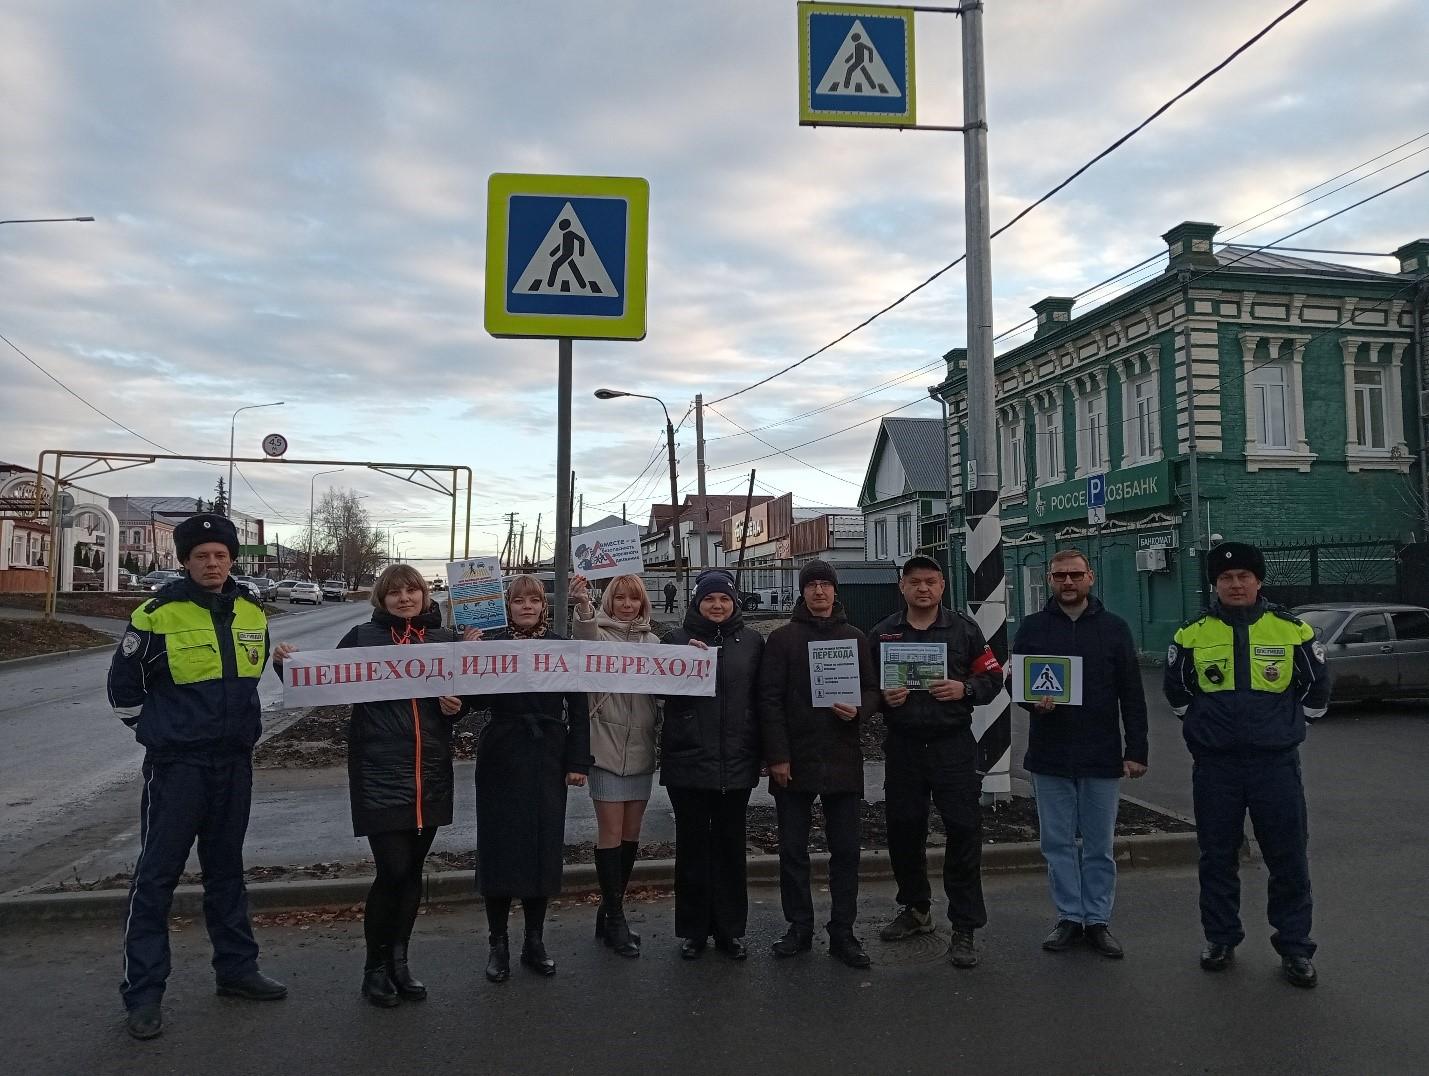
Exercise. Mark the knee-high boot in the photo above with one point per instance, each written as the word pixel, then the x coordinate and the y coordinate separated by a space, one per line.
pixel 612 898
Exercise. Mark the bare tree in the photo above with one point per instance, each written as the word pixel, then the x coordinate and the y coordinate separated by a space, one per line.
pixel 343 542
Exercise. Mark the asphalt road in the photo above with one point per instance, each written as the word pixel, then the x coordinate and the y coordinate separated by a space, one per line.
pixel 69 768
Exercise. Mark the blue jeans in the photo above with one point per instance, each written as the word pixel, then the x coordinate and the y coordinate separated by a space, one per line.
pixel 1082 877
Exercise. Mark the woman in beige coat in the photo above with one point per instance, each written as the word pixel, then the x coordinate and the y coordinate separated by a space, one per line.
pixel 622 739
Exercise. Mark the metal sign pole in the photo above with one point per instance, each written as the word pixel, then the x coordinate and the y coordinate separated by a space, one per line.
pixel 562 565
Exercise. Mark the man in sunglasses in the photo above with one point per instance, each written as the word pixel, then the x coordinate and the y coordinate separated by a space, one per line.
pixel 1077 755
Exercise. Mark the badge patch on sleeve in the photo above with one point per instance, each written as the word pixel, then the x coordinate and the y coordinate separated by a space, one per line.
pixel 1318 649
pixel 130 646
pixel 1171 654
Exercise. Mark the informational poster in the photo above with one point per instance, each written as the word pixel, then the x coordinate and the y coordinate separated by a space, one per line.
pixel 371 673
pixel 607 553
pixel 912 665
pixel 834 673
pixel 1047 676
pixel 474 587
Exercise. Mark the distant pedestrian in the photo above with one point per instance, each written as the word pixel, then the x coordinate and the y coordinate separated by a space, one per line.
pixel 185 678
pixel 1244 679
pixel 709 762
pixel 930 757
pixel 534 746
pixel 1076 754
pixel 670 591
pixel 622 740
pixel 814 753
pixel 399 766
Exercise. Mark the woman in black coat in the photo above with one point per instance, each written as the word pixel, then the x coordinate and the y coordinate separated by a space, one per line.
pixel 536 744
pixel 399 765
pixel 709 760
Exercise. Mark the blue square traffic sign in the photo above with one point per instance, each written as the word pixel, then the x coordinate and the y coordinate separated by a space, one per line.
pixel 856 65
pixel 1096 491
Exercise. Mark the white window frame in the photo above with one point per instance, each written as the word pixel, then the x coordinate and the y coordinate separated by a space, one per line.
pixel 1273 425
pixel 880 538
pixel 1051 453
pixel 1288 354
pixel 1012 441
pixel 904 524
pixel 1093 434
pixel 1394 453
pixel 1369 411
pixel 1034 588
pixel 1137 448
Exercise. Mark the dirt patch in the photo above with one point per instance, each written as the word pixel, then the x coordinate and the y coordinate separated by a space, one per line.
pixel 28 638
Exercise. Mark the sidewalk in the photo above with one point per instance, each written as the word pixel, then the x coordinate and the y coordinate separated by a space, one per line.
pixel 1021 1011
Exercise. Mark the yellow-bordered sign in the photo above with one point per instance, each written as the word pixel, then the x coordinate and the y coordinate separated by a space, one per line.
pixel 566 256
pixel 856 65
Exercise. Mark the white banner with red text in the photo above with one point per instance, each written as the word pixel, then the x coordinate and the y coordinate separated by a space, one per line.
pixel 373 673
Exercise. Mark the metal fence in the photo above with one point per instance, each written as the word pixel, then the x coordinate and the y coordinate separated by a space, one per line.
pixel 1363 571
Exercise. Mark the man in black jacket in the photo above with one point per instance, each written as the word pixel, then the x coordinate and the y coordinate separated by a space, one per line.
pixel 1075 754
pixel 930 753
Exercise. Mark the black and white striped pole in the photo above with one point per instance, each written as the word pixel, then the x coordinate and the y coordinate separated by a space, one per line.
pixel 987 581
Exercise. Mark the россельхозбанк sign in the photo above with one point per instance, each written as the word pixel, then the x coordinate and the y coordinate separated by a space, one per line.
pixel 1145 486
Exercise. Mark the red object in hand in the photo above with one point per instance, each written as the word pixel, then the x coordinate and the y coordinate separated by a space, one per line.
pixel 986 663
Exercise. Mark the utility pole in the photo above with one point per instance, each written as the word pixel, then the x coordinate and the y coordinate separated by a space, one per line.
pixel 536 544
pixel 521 546
pixel 675 506
pixel 510 538
pixel 987 586
pixel 744 530
pixel 700 477
pixel 562 566
pixel 580 513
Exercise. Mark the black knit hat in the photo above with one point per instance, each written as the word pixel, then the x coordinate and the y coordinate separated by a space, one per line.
pixel 817 570
pixel 1232 555
pixel 208 527
pixel 715 581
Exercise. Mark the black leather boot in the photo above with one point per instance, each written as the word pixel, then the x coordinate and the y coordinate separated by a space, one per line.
pixel 533 954
pixel 377 986
pixel 401 975
pixel 498 964
pixel 628 852
pixel 609 871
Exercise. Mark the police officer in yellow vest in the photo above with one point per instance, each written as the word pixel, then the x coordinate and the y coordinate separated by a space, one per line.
pixel 1244 679
pixel 185 678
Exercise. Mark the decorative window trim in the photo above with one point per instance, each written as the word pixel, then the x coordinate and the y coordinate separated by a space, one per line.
pixel 1132 369
pixel 1048 403
pixel 1298 456
pixel 1395 455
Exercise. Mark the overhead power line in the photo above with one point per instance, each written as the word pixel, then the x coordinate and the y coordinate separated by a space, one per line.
pixel 1058 188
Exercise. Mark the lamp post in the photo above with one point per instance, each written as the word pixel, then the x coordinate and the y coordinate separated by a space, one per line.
pixel 611 394
pixel 232 426
pixel 312 492
pixel 47 220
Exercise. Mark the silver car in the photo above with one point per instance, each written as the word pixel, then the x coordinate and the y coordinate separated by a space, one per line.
pixel 1375 651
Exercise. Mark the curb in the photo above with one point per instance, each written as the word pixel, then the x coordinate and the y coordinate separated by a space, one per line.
pixel 456 887
pixel 57 655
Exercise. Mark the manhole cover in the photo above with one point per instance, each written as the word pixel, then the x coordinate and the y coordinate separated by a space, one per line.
pixel 919 949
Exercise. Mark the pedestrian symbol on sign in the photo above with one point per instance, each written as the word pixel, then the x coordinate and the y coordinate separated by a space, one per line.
pixel 863 69
pixel 1046 682
pixel 566 257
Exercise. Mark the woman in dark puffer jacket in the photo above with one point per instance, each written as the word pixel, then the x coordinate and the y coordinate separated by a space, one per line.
pixel 399 764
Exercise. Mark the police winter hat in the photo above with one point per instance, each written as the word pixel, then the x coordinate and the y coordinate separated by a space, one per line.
pixel 921 563
pixel 816 571
pixel 208 527
pixel 714 581
pixel 1229 556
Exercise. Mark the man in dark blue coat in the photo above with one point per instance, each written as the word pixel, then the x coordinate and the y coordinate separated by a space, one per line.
pixel 1076 754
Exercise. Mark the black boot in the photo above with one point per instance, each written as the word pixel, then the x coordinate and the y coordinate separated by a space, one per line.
pixel 533 954
pixel 628 851
pixel 401 975
pixel 377 986
pixel 617 933
pixel 498 964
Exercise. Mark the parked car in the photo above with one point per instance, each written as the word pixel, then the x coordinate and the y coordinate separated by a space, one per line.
pixel 334 590
pixel 126 579
pixel 86 579
pixel 250 586
pixel 160 579
pixel 285 588
pixel 1375 651
pixel 305 592
pixel 267 588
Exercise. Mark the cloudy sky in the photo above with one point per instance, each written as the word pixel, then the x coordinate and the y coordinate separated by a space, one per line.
pixel 290 203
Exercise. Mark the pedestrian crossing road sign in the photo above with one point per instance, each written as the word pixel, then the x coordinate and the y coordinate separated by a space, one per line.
pixel 855 65
pixel 566 256
pixel 1042 676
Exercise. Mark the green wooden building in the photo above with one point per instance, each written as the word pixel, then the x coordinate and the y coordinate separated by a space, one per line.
pixel 1239 394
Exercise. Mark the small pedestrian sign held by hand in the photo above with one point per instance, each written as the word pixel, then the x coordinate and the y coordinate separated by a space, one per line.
pixel 855 65
pixel 1047 676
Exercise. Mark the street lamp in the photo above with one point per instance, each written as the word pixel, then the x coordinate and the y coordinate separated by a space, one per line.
pixel 47 220
pixel 232 425
pixel 312 492
pixel 933 391
pixel 680 568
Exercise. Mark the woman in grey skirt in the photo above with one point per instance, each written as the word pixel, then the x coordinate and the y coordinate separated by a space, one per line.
pixel 622 739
